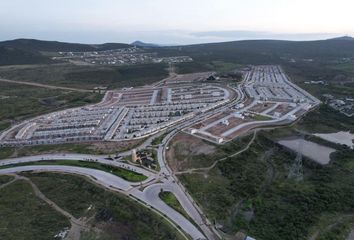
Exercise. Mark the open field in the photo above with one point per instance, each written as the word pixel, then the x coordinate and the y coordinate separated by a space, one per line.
pixel 4 179
pixel 87 77
pixel 19 102
pixel 95 148
pixel 186 152
pixel 24 216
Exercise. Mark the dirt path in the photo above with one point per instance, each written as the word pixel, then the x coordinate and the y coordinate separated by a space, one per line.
pixel 207 169
pixel 44 85
pixel 8 183
pixel 316 234
pixel 77 225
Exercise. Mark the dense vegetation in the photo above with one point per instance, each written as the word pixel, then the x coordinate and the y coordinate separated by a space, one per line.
pixel 32 51
pixel 13 56
pixel 258 197
pixel 260 52
pixel 117 216
pixel 54 46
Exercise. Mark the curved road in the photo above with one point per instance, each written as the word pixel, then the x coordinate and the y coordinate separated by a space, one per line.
pixel 150 195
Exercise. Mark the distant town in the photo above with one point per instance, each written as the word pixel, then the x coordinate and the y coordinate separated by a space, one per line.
pixel 119 57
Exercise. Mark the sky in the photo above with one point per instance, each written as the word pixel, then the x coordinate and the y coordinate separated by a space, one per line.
pixel 175 21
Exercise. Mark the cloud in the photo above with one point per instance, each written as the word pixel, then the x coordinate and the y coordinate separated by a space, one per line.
pixel 246 35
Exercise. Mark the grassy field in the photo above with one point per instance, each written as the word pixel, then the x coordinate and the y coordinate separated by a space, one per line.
pixel 158 140
pixel 95 148
pixel 25 217
pixel 346 67
pixel 5 179
pixel 203 66
pixel 120 172
pixel 188 152
pixel 88 77
pixel 170 199
pixel 19 102
pixel 117 216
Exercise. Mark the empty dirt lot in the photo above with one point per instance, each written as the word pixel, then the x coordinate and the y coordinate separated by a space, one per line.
pixel 186 151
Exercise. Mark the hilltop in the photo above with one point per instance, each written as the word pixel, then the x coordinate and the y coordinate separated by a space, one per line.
pixel 55 46
pixel 144 44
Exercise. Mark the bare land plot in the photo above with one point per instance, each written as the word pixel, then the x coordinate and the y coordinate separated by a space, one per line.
pixel 260 107
pixel 314 151
pixel 186 151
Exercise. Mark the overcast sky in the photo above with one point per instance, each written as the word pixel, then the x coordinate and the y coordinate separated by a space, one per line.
pixel 174 21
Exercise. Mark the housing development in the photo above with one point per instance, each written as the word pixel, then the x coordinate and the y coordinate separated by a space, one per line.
pixel 266 97
pixel 193 104
pixel 176 120
pixel 119 57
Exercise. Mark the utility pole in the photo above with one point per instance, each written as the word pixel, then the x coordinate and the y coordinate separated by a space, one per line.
pixel 296 170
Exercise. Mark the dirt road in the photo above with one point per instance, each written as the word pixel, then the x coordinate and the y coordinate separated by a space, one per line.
pixel 77 225
pixel 44 85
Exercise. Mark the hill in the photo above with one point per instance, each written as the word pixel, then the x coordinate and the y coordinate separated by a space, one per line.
pixel 29 51
pixel 13 56
pixel 55 46
pixel 345 38
pixel 241 52
pixel 143 44
pixel 264 51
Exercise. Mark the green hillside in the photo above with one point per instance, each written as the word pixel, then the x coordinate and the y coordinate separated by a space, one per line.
pixel 264 51
pixel 55 46
pixel 13 56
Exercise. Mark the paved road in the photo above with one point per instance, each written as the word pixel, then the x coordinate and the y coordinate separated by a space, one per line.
pixel 106 179
pixel 82 157
pixel 149 195
pixel 164 179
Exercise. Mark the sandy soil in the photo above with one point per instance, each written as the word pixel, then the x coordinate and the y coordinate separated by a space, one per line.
pixel 260 107
pixel 220 128
pixel 345 138
pixel 351 235
pixel 314 151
